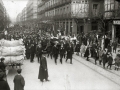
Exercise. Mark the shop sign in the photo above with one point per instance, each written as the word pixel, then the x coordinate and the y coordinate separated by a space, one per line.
pixel 116 22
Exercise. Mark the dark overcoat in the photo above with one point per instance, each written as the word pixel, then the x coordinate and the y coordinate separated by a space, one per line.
pixel 62 50
pixel 104 57
pixel 96 54
pixel 109 48
pixel 43 74
pixel 77 48
pixel 70 52
pixel 87 53
pixel 55 51
pixel 19 82
pixel 39 51
pixel 110 60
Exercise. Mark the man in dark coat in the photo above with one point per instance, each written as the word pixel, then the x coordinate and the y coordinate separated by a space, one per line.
pixel 77 48
pixel 70 52
pixel 43 69
pixel 39 52
pixel 110 60
pixel 27 51
pixel 87 53
pixel 96 55
pixel 62 52
pixel 19 81
pixel 104 57
pixel 2 65
pixel 55 51
pixel 3 84
pixel 32 52
pixel 27 46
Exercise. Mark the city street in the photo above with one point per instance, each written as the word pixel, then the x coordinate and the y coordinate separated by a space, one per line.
pixel 59 27
pixel 81 75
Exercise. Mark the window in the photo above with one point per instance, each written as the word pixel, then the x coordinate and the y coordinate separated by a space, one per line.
pixel 95 6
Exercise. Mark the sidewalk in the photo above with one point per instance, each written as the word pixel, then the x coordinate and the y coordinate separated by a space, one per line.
pixel 112 75
pixel 113 66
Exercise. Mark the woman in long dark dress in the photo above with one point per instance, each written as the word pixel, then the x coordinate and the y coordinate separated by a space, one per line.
pixel 43 70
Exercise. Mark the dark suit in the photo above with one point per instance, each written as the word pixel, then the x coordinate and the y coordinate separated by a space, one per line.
pixel 43 70
pixel 32 53
pixel 69 53
pixel 62 52
pixel 96 55
pixel 19 82
pixel 39 53
pixel 55 53
pixel 104 56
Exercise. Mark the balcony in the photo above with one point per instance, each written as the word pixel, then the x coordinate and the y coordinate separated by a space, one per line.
pixel 117 13
pixel 63 16
pixel 41 4
pixel 58 4
pixel 41 12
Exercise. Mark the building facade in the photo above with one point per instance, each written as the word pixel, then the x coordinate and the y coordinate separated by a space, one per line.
pixel 72 16
pixel 4 17
pixel 31 9
pixel 112 18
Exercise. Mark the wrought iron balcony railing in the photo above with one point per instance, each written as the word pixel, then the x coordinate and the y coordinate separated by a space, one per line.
pixel 58 4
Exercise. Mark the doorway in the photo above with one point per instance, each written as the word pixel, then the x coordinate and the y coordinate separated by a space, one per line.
pixel 118 33
pixel 80 29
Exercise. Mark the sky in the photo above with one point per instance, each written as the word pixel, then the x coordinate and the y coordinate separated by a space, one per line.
pixel 14 7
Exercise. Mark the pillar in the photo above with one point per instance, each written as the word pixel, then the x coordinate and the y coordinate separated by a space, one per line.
pixel 69 26
pixel 74 27
pixel 113 32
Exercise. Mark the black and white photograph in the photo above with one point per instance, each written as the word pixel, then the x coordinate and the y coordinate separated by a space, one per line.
pixel 59 44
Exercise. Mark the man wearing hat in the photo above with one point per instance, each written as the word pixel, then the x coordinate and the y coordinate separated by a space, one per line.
pixel 2 65
pixel 3 84
pixel 55 51
pixel 19 81
pixel 43 70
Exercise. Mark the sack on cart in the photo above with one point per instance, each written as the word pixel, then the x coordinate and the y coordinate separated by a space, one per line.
pixel 12 51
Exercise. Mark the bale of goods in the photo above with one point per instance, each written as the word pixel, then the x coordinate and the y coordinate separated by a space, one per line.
pixel 12 51
pixel 13 43
pixel 14 59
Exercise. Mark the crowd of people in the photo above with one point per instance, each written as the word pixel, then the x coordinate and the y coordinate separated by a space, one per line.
pixel 37 44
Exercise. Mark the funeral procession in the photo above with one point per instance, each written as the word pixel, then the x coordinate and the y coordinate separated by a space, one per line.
pixel 59 44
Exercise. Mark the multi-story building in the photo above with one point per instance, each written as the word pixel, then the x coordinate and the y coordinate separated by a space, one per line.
pixel 19 18
pixel 112 17
pixel 4 19
pixel 24 15
pixel 73 16
pixel 40 12
pixel 31 9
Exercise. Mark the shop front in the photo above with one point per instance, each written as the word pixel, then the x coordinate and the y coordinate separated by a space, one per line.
pixel 116 31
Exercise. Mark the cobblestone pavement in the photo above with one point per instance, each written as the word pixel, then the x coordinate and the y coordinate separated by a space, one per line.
pixel 81 75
